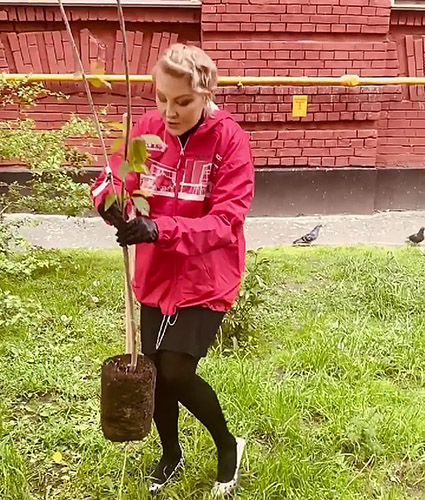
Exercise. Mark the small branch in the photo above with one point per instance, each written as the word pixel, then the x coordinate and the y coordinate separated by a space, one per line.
pixel 127 77
pixel 86 85
pixel 123 472
pixel 371 458
pixel 3 210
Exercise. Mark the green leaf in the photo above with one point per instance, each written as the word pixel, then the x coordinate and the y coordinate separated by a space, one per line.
pixel 109 483
pixel 123 169
pixel 97 69
pixel 138 152
pixel 146 193
pixel 117 125
pixel 141 204
pixel 151 139
pixel 98 82
pixel 116 145
pixel 109 200
pixel 139 168
pixel 146 170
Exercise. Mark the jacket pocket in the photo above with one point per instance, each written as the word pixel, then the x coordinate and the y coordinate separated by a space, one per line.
pixel 195 275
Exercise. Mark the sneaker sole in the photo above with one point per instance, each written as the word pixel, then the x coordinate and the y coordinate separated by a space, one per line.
pixel 156 487
pixel 224 489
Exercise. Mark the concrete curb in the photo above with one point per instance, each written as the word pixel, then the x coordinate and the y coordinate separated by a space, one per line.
pixel 384 228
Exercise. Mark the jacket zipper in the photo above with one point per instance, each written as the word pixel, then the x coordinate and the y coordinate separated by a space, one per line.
pixel 176 193
pixel 178 174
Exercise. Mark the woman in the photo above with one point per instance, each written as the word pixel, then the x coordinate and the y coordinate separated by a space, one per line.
pixel 190 250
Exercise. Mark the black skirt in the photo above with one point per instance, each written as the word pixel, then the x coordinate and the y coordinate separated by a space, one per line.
pixel 191 330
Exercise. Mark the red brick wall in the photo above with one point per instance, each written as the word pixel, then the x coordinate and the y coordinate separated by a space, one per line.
pixel 359 127
pixel 33 39
pixel 318 38
pixel 291 16
pixel 402 122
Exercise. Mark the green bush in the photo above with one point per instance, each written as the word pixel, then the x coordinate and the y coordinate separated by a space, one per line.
pixel 53 163
pixel 241 321
pixel 17 256
pixel 23 92
pixel 54 166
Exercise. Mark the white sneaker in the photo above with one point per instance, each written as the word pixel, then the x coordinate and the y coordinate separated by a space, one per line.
pixel 156 484
pixel 223 489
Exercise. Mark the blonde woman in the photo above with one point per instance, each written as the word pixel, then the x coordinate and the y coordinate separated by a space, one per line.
pixel 190 251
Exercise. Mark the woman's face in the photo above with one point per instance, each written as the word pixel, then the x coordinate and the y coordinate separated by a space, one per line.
pixel 180 106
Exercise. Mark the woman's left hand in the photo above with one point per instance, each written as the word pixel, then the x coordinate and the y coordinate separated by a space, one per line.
pixel 138 230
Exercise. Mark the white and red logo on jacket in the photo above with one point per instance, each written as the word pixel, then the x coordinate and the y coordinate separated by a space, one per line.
pixel 194 186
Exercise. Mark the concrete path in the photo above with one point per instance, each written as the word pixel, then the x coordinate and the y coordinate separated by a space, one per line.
pixel 386 228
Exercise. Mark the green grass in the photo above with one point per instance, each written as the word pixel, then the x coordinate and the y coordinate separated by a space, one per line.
pixel 330 394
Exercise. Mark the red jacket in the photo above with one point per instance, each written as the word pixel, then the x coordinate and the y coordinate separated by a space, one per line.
pixel 201 195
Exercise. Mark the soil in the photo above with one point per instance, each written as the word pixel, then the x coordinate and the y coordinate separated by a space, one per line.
pixel 127 398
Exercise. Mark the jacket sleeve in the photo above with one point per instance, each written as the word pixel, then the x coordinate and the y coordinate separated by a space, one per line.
pixel 230 199
pixel 102 185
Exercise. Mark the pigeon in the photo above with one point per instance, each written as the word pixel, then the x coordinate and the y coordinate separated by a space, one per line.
pixel 308 238
pixel 416 238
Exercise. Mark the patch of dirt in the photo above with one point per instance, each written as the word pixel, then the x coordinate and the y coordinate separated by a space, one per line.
pixel 38 396
pixel 410 476
pixel 293 287
pixel 313 420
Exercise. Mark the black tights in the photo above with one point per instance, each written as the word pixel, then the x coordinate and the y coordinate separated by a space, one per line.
pixel 177 381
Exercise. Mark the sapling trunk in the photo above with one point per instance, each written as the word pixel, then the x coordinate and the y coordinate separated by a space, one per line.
pixel 131 343
pixel 128 381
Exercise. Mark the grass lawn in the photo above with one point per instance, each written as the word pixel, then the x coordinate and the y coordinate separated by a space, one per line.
pixel 329 394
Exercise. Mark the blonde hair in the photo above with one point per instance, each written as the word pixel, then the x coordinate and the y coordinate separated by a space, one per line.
pixel 192 62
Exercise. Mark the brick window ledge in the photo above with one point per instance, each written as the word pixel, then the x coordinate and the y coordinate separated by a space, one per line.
pixel 408 4
pixel 103 3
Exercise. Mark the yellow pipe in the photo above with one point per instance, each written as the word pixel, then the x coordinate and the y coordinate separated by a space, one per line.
pixel 68 77
pixel 345 80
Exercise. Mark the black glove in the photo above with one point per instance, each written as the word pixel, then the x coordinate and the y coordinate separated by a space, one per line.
pixel 113 215
pixel 138 230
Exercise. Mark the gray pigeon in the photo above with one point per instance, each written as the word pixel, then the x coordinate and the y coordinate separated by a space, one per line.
pixel 417 238
pixel 308 238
